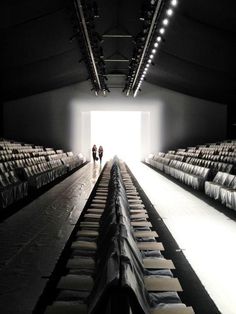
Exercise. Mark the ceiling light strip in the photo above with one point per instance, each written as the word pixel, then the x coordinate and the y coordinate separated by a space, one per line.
pixel 80 15
pixel 165 22
pixel 158 6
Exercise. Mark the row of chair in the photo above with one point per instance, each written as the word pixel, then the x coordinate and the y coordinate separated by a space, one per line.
pixel 21 163
pixel 115 263
pixel 12 189
pixel 190 174
pixel 25 167
pixel 215 166
pixel 44 173
pixel 221 158
pixel 30 161
pixel 223 188
pixel 209 167
pixel 173 156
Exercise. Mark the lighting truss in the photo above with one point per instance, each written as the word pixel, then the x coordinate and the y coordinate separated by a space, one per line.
pixel 89 41
pixel 157 16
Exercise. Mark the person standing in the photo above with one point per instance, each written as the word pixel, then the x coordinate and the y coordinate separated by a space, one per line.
pixel 94 152
pixel 100 153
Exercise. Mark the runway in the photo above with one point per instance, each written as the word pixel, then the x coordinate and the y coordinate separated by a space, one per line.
pixel 32 240
pixel 206 236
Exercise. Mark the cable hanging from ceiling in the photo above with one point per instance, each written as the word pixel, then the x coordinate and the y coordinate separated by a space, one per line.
pixel 90 44
pixel 156 18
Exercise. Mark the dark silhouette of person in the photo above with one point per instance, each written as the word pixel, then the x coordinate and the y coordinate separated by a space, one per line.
pixel 94 152
pixel 100 153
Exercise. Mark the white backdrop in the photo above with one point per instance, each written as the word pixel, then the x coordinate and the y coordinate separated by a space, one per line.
pixel 119 132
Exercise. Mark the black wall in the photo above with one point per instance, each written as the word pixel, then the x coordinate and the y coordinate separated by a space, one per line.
pixel 231 121
pixel 56 118
pixel 1 119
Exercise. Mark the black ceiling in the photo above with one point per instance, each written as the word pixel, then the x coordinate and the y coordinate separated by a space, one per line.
pixel 197 57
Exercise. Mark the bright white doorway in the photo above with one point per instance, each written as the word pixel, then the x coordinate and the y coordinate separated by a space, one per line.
pixel 119 132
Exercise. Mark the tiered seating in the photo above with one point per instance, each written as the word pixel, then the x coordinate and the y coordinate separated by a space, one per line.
pixel 115 259
pixel 159 162
pixel 68 159
pixel 196 165
pixel 213 165
pixel 12 189
pixel 43 173
pixel 24 166
pixel 189 174
pixel 223 188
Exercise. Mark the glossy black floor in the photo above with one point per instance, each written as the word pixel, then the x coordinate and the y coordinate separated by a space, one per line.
pixel 32 239
pixel 33 194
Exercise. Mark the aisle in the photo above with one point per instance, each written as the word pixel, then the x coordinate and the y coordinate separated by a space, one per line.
pixel 32 240
pixel 206 236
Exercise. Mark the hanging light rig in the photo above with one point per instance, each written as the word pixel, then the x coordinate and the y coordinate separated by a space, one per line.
pixel 90 41
pixel 157 16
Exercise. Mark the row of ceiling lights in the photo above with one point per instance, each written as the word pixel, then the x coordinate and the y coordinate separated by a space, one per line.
pixel 153 43
pixel 138 66
pixel 86 11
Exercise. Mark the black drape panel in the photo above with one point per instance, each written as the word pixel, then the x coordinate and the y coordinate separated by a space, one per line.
pixel 231 123
pixel 1 119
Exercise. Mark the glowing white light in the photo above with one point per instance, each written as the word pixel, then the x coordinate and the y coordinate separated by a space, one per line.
pixel 135 93
pixel 151 56
pixel 149 60
pixel 147 65
pixel 121 141
pixel 169 12
pixel 174 3
pixel 156 45
pixel 159 38
pixel 141 79
pixel 154 50
pixel 162 30
pixel 165 21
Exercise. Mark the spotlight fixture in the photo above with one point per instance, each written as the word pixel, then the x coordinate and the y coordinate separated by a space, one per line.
pixel 169 12
pixel 162 30
pixel 174 3
pixel 165 22
pixel 90 42
pixel 158 14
